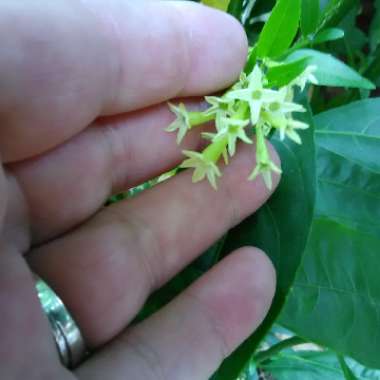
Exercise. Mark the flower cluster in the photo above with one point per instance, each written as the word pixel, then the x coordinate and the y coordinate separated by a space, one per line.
pixel 249 111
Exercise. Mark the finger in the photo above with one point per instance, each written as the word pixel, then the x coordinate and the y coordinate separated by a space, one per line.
pixel 27 348
pixel 113 155
pixel 134 247
pixel 189 338
pixel 69 62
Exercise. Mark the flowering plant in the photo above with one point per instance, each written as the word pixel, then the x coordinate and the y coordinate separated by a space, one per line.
pixel 320 228
pixel 250 107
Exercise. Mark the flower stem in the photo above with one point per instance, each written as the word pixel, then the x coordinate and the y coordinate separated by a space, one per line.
pixel 275 349
pixel 216 149
pixel 199 118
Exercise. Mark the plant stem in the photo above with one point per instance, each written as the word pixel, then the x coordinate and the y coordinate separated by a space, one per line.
pixel 267 354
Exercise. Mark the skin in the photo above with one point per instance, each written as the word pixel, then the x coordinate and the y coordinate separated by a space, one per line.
pixel 83 94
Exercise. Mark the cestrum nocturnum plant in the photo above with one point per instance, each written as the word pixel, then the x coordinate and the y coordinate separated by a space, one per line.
pixel 249 111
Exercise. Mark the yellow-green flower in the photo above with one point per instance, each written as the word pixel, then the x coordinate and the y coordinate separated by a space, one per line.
pixel 234 129
pixel 264 165
pixel 306 77
pixel 255 95
pixel 185 120
pixel 203 167
pixel 205 163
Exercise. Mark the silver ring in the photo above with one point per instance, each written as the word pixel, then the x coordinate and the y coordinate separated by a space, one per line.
pixel 67 336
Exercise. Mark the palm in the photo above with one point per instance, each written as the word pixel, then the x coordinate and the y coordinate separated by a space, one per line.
pixel 64 153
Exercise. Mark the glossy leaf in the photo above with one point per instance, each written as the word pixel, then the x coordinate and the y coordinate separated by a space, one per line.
pixel 330 71
pixel 309 16
pixel 329 34
pixel 280 29
pixel 308 365
pixel 281 75
pixel 335 300
pixel 374 32
pixel 347 372
pixel 235 8
pixel 280 228
pixel 315 365
pixel 335 11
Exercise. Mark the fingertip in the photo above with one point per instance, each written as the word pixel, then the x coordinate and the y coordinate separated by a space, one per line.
pixel 239 292
pixel 219 44
pixel 261 272
pixel 257 283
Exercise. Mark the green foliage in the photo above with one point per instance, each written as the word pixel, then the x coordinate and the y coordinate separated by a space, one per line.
pixel 281 28
pixel 374 33
pixel 347 372
pixel 219 4
pixel 309 16
pixel 236 8
pixel 316 365
pixel 280 228
pixel 335 299
pixel 283 74
pixel 335 11
pixel 321 228
pixel 331 71
pixel 328 34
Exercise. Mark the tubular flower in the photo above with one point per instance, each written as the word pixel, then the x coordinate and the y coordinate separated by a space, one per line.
pixel 205 163
pixel 264 165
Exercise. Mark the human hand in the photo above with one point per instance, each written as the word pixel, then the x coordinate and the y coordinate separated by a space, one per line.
pixel 82 97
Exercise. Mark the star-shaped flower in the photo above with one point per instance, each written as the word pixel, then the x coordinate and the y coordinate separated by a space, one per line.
pixel 204 167
pixel 305 77
pixel 181 123
pixel 185 120
pixel 290 130
pixel 280 106
pixel 220 107
pixel 234 129
pixel 264 165
pixel 256 95
pixel 265 168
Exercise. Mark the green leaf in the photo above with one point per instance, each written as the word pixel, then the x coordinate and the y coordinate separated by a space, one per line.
pixel 315 365
pixel 235 8
pixel 373 70
pixel 251 61
pixel 281 75
pixel 348 374
pixel 335 11
pixel 335 300
pixel 330 71
pixel 329 34
pixel 280 228
pixel 280 29
pixel 309 16
pixel 374 31
pixel 219 4
pixel 308 365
